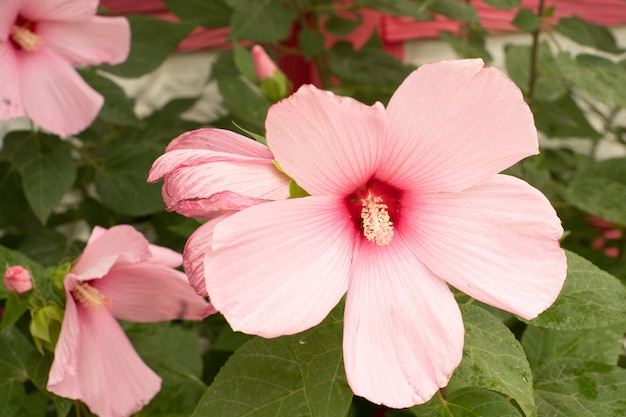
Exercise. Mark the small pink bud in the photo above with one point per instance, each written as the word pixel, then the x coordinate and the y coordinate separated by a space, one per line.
pixel 263 64
pixel 17 279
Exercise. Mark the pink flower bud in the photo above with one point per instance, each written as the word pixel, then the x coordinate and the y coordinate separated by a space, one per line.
pixel 263 64
pixel 17 279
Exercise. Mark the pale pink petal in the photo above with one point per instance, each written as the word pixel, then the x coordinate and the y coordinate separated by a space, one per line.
pixel 10 81
pixel 497 241
pixel 38 10
pixel 403 331
pixel 263 64
pixel 164 256
pixel 220 140
pixel 195 249
pixel 118 244
pixel 105 373
pixel 329 145
pixel 88 42
pixel 279 268
pixel 9 9
pixel 209 189
pixel 55 96
pixel 146 293
pixel 453 124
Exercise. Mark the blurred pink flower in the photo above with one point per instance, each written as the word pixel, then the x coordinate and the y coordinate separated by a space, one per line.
pixel 263 64
pixel 404 201
pixel 17 279
pixel 119 275
pixel 208 172
pixel 40 42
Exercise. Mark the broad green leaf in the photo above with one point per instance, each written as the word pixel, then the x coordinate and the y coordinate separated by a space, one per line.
pixel 455 10
pixel 15 307
pixel 504 4
pixel 468 402
pixel 562 118
pixel 602 344
pixel 600 189
pixel 261 21
pixel 590 298
pixel 117 108
pixel 588 34
pixel 342 26
pixel 211 14
pixel 603 79
pixel 16 216
pixel 49 247
pixel 152 41
pixel 12 396
pixel 526 20
pixel 121 181
pixel 293 376
pixel 13 350
pixel 311 42
pixel 46 167
pixel 244 62
pixel 402 8
pixel 472 46
pixel 494 359
pixel 172 351
pixel 578 388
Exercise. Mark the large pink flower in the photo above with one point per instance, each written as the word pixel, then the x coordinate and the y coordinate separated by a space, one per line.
pixel 404 201
pixel 118 275
pixel 40 42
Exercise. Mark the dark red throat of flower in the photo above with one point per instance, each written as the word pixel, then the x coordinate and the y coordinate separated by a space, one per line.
pixel 23 35
pixel 375 210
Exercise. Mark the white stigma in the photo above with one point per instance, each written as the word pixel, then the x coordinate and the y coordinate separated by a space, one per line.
pixel 89 296
pixel 25 38
pixel 377 225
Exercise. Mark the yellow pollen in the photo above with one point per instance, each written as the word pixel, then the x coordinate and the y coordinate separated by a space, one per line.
pixel 89 296
pixel 25 38
pixel 377 226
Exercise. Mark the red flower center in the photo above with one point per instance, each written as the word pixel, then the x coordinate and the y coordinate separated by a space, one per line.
pixel 375 209
pixel 23 35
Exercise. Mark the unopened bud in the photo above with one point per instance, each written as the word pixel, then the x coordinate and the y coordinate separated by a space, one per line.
pixel 273 82
pixel 17 279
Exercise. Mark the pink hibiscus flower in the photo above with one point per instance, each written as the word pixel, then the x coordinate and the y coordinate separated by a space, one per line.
pixel 118 275
pixel 40 42
pixel 404 201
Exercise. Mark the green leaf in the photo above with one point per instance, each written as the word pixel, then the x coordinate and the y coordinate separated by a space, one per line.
pixel 49 246
pixel 261 21
pixel 562 118
pixel 121 181
pixel 153 40
pixel 211 14
pixel 401 8
pixel 577 388
pixel 472 46
pixel 455 10
pixel 588 34
pixel 494 359
pixel 117 108
pixel 602 344
pixel 504 4
pixel 294 376
pixel 46 167
pixel 311 42
pixel 526 20
pixel 16 216
pixel 13 349
pixel 244 62
pixel 15 307
pixel 590 298
pixel 342 26
pixel 467 402
pixel 604 80
pixel 600 189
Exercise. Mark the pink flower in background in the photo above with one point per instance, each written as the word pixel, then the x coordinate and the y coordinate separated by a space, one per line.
pixel 210 172
pixel 119 275
pixel 40 43
pixel 404 201
pixel 17 279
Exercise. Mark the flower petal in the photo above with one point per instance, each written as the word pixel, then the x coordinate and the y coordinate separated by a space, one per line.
pixel 10 81
pixel 403 331
pixel 453 124
pixel 9 9
pixel 164 256
pixel 89 42
pixel 37 10
pixel 145 293
pixel 198 244
pixel 220 140
pixel 329 145
pixel 118 244
pixel 497 241
pixel 279 268
pixel 94 362
pixel 57 98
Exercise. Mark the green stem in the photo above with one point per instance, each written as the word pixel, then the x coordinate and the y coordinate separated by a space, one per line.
pixel 533 56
